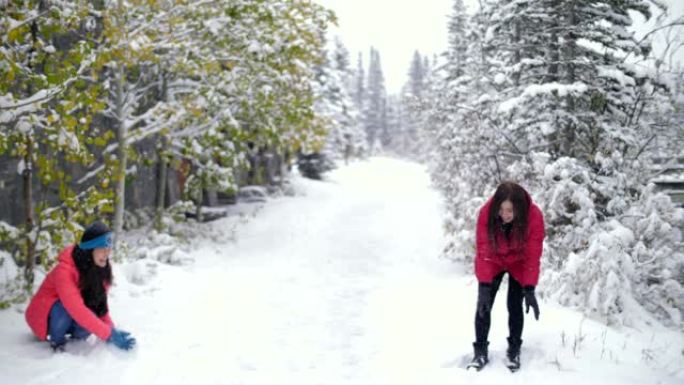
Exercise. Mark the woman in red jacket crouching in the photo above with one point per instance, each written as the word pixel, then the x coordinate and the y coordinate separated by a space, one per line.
pixel 72 300
pixel 510 235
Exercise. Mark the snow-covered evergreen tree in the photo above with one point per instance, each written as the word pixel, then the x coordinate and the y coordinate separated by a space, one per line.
pixel 416 101
pixel 458 45
pixel 346 136
pixel 394 137
pixel 359 84
pixel 416 75
pixel 375 102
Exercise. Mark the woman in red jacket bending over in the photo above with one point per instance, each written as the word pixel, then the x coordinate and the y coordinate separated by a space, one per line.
pixel 72 300
pixel 510 234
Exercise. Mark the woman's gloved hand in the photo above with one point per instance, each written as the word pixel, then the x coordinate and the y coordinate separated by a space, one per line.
pixel 121 339
pixel 531 301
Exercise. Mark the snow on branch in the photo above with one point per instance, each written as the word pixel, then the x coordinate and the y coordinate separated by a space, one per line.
pixel 33 102
pixel 542 89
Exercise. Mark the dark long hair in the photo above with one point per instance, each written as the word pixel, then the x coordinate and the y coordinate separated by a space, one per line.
pixel 91 280
pixel 517 195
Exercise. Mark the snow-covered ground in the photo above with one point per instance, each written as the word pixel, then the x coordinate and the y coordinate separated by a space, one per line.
pixel 341 284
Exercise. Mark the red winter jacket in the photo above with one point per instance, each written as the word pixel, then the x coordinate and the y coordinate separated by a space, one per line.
pixel 521 261
pixel 62 284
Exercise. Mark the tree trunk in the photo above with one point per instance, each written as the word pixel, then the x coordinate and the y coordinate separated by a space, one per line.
pixel 258 168
pixel 517 55
pixel 567 146
pixel 122 134
pixel 122 155
pixel 163 164
pixel 27 176
pixel 198 209
pixel 552 75
pixel 161 184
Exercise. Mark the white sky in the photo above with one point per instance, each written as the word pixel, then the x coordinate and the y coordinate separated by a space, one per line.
pixel 397 28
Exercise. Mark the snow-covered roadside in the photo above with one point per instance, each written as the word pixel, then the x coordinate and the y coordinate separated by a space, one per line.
pixel 340 285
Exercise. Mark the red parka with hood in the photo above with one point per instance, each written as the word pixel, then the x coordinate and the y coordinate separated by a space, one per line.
pixel 520 259
pixel 62 284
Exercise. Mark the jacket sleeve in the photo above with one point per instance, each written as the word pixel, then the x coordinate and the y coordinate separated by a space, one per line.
pixel 484 268
pixel 533 247
pixel 68 293
pixel 107 319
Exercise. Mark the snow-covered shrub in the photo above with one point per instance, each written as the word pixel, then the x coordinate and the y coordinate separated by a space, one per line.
pixel 140 272
pixel 136 219
pixel 170 254
pixel 565 196
pixel 658 253
pixel 598 278
pixel 11 283
pixel 161 247
pixel 611 243
pixel 461 245
pixel 252 194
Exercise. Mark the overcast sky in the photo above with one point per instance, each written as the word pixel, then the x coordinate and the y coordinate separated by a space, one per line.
pixel 399 27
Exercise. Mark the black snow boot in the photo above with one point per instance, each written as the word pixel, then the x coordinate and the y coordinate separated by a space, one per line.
pixel 58 348
pixel 513 355
pixel 481 357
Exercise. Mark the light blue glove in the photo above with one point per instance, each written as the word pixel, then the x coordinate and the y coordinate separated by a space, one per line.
pixel 121 339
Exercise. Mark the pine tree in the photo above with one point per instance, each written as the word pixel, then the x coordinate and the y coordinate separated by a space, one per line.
pixel 359 91
pixel 417 72
pixel 412 98
pixel 345 135
pixel 458 45
pixel 394 137
pixel 374 108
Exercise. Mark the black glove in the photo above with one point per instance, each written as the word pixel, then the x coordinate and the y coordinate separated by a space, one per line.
pixel 531 301
pixel 484 299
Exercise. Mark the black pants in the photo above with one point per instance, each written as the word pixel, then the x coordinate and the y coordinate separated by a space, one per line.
pixel 515 312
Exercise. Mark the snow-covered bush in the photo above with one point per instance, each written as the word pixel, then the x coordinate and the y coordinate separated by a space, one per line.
pixel 11 283
pixel 658 253
pixel 140 272
pixel 609 246
pixel 461 225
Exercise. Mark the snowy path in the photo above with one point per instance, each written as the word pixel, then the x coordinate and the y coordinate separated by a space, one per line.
pixel 341 286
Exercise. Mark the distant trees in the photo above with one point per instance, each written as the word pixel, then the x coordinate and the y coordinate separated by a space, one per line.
pixel 374 112
pixel 346 137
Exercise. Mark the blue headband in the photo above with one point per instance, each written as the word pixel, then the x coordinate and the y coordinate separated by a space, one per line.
pixel 103 241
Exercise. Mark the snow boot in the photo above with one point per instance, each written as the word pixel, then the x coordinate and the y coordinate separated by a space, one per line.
pixel 513 355
pixel 480 358
pixel 58 348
